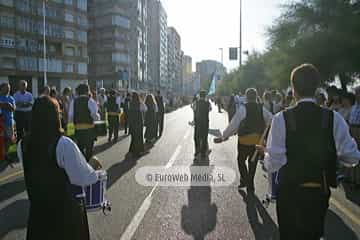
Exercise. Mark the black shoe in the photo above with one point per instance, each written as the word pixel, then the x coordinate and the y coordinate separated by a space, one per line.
pixel 242 185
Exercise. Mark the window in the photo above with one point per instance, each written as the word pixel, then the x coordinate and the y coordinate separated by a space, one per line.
pixel 68 2
pixel 82 68
pixel 120 58
pixel 121 21
pixel 69 17
pixel 69 34
pixel 70 51
pixel 7 42
pixel 82 36
pixel 69 67
pixel 82 4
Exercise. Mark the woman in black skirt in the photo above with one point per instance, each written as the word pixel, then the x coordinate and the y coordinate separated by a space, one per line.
pixel 150 119
pixel 52 164
pixel 136 125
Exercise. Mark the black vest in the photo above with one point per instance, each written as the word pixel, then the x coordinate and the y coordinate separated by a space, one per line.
pixel 111 105
pixel 202 111
pixel 254 121
pixel 54 212
pixel 81 111
pixel 310 146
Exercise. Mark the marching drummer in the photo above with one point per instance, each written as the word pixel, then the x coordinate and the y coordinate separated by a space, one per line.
pixel 52 162
pixel 112 106
pixel 249 121
pixel 304 144
pixel 83 112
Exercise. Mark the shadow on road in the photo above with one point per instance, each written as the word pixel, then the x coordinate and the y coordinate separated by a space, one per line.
pixel 14 216
pixel 200 216
pixel 11 189
pixel 336 229
pixel 116 171
pixel 103 147
pixel 264 228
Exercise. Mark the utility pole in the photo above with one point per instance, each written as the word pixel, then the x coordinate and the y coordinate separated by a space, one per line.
pixel 240 45
pixel 222 55
pixel 44 42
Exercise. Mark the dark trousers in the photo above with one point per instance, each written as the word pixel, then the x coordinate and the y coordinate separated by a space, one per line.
pixel 85 139
pixel 113 126
pixel 160 123
pixel 247 173
pixel 22 120
pixel 201 138
pixel 126 123
pixel 301 212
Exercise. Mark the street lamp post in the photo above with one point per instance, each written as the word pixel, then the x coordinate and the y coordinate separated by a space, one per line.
pixel 240 45
pixel 222 55
pixel 44 42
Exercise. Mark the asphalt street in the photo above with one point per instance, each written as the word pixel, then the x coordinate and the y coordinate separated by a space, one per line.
pixel 158 212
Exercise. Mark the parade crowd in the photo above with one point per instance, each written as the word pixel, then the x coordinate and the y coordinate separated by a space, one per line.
pixel 303 135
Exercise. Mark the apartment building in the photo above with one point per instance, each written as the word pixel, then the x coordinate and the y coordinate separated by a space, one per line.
pixel 157 46
pixel 206 70
pixel 188 86
pixel 21 42
pixel 118 43
pixel 174 60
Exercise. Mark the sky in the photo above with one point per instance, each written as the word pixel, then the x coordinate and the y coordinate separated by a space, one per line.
pixel 207 25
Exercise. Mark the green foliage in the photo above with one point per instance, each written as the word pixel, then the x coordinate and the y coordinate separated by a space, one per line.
pixel 325 33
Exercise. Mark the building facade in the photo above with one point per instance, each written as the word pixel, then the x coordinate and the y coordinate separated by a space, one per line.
pixel 157 46
pixel 187 75
pixel 118 43
pixel 21 42
pixel 206 70
pixel 174 60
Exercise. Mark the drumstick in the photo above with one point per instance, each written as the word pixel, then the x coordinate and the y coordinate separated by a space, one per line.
pixel 253 158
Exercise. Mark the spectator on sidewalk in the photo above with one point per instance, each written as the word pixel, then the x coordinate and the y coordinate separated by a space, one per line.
pixel 7 110
pixel 23 101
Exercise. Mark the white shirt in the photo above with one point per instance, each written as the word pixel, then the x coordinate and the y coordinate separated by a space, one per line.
pixel 93 108
pixel 239 116
pixel 69 158
pixel 143 107
pixel 275 153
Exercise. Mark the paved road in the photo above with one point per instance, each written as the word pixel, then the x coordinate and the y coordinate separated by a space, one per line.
pixel 141 212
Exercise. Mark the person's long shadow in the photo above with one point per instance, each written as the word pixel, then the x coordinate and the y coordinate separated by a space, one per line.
pixel 103 147
pixel 116 171
pixel 336 229
pixel 266 229
pixel 198 218
pixel 11 189
pixel 14 216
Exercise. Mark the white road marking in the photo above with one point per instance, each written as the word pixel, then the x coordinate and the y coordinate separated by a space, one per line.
pixel 187 134
pixel 140 214
pixel 173 157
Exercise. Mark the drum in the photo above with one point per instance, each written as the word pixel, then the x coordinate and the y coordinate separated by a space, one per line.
pixel 95 194
pixel 100 128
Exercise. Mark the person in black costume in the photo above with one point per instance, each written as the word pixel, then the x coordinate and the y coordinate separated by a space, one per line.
pixel 202 108
pixel 150 119
pixel 125 106
pixel 231 109
pixel 160 113
pixel 52 163
pixel 136 108
pixel 113 113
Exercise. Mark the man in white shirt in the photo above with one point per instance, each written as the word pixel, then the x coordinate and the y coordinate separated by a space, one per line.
pixel 83 112
pixel 249 122
pixel 305 144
